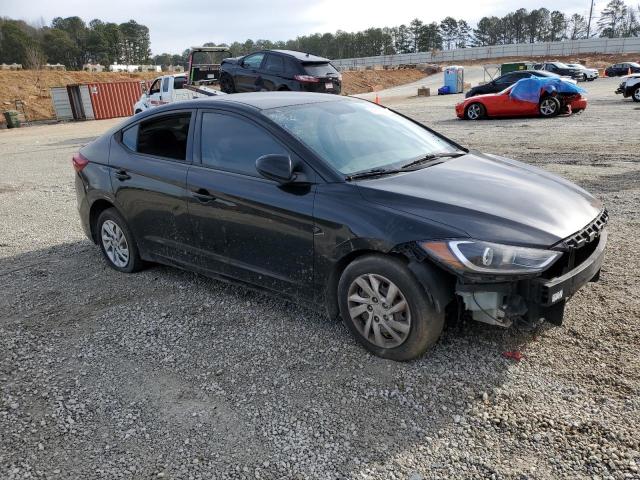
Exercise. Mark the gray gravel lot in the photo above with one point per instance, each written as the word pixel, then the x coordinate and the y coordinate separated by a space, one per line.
pixel 166 374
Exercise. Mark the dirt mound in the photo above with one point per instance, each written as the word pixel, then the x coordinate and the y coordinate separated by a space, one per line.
pixel 32 87
pixel 373 80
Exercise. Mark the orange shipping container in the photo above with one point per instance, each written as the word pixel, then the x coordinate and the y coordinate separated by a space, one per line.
pixel 111 100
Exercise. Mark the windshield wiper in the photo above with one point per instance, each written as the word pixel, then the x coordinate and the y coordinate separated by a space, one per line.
pixel 432 159
pixel 374 172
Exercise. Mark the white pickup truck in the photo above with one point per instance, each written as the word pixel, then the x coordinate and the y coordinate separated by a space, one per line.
pixel 199 81
pixel 169 89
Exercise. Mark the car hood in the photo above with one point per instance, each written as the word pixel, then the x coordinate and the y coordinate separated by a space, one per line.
pixel 231 60
pixel 490 198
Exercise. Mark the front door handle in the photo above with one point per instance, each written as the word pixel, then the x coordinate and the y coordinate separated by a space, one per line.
pixel 122 175
pixel 203 195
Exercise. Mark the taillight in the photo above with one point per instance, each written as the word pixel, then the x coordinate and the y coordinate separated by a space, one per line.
pixel 306 78
pixel 79 162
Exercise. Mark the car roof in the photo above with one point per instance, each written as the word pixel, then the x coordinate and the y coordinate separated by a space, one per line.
pixel 255 100
pixel 302 56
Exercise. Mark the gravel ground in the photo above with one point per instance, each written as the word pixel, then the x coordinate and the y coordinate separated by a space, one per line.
pixel 166 374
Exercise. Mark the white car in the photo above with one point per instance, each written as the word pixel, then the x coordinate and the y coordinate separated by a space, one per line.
pixel 630 87
pixel 170 89
pixel 588 74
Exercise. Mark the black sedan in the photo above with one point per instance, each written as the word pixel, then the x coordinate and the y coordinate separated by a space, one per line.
pixel 506 80
pixel 620 69
pixel 344 205
pixel 282 70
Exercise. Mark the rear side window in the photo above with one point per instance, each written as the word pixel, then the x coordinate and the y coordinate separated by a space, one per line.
pixel 291 66
pixel 274 64
pixel 161 136
pixel 319 69
pixel 233 144
pixel 165 84
pixel 178 83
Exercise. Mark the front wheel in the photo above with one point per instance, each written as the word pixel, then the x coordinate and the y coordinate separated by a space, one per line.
pixel 117 243
pixel 549 107
pixel 475 111
pixel 636 94
pixel 386 309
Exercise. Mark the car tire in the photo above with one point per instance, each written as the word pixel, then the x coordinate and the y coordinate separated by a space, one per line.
pixel 226 84
pixel 636 94
pixel 117 243
pixel 549 106
pixel 386 309
pixel 475 111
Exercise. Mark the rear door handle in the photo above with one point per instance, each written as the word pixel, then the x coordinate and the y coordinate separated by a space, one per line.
pixel 122 175
pixel 203 195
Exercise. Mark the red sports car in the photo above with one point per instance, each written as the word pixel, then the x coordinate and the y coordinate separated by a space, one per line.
pixel 502 104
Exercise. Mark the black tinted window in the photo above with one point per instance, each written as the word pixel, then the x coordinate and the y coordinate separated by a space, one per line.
pixel 274 64
pixel 164 136
pixel 178 82
pixel 291 66
pixel 320 69
pixel 234 144
pixel 253 61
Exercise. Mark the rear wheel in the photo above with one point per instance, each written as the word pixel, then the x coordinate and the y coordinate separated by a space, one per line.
pixel 475 111
pixel 636 94
pixel 387 309
pixel 226 84
pixel 117 243
pixel 549 107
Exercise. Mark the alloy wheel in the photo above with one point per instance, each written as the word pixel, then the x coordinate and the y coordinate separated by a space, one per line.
pixel 636 94
pixel 115 243
pixel 474 111
pixel 548 107
pixel 379 310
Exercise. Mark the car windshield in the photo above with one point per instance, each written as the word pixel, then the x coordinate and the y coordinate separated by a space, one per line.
pixel 355 136
pixel 634 64
pixel 576 65
pixel 560 65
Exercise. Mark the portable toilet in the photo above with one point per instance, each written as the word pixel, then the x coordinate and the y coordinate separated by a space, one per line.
pixel 454 78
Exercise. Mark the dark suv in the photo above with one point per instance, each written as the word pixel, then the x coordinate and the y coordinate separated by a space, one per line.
pixel 279 70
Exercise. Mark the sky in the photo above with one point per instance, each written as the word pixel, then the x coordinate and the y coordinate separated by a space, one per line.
pixel 175 25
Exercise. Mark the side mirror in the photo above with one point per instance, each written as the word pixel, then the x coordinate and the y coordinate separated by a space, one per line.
pixel 276 167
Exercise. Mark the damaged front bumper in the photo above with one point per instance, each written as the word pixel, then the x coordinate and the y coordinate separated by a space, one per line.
pixel 532 299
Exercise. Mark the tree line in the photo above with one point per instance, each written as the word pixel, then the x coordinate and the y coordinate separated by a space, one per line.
pixel 519 26
pixel 73 43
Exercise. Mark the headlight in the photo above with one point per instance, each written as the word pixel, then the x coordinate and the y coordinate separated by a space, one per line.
pixel 493 258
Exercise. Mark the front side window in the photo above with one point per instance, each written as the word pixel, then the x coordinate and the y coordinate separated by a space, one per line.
pixel 233 144
pixel 155 87
pixel 354 135
pixel 253 61
pixel 164 136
